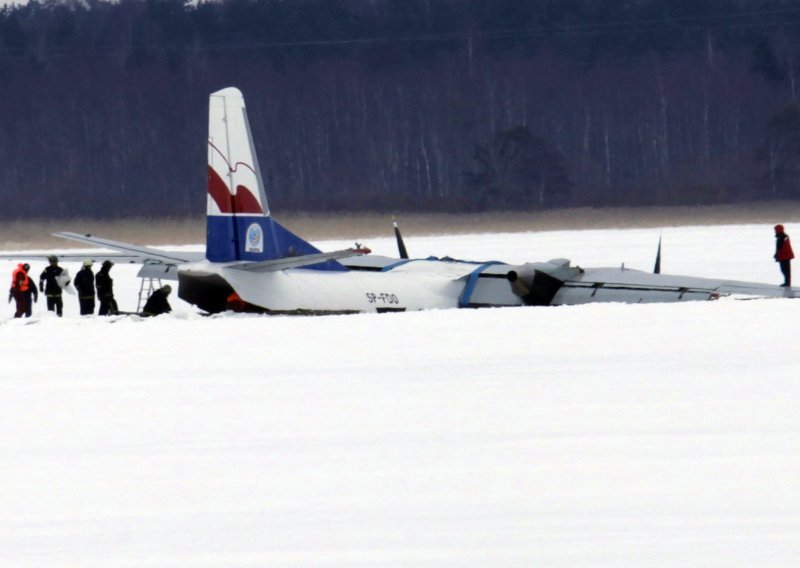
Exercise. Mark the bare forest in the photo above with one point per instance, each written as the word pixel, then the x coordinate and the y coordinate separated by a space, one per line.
pixel 402 105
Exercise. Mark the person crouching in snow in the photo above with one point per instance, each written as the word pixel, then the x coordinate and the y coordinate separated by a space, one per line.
pixel 157 303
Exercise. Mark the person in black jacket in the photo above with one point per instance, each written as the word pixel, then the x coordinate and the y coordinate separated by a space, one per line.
pixel 84 284
pixel 157 303
pixel 105 290
pixel 50 283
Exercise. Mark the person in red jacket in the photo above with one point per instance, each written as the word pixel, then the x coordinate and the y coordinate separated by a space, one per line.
pixel 784 254
pixel 19 290
pixel 31 293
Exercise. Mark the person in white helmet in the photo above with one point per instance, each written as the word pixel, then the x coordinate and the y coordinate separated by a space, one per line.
pixel 84 284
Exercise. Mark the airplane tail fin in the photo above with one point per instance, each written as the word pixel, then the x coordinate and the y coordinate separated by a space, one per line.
pixel 239 225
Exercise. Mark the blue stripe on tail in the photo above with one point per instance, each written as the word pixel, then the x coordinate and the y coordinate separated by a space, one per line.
pixel 232 238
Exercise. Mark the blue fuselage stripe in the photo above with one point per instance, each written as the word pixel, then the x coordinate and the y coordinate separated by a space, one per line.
pixel 472 281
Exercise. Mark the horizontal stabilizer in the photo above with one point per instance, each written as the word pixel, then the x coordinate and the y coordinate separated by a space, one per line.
pixel 160 270
pixel 134 251
pixel 277 264
pixel 71 256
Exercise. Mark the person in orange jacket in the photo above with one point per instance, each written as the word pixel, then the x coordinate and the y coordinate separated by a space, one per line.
pixel 20 289
pixel 32 292
pixel 784 254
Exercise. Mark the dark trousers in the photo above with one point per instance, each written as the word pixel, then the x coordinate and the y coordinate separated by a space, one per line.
pixel 87 306
pixel 786 270
pixel 22 304
pixel 29 304
pixel 108 306
pixel 55 304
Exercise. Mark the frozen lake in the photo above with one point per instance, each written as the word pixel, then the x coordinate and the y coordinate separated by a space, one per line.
pixel 601 435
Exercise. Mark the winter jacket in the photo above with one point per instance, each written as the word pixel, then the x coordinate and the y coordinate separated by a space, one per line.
pixel 48 281
pixel 105 284
pixel 84 283
pixel 19 279
pixel 32 291
pixel 783 247
pixel 157 304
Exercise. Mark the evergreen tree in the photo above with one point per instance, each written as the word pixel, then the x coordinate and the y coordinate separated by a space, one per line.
pixel 518 170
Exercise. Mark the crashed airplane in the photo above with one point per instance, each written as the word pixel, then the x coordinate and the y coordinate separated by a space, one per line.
pixel 266 268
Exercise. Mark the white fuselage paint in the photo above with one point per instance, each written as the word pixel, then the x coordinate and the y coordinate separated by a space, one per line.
pixel 436 284
pixel 415 285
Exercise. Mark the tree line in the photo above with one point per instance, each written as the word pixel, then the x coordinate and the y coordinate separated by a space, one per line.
pixel 449 105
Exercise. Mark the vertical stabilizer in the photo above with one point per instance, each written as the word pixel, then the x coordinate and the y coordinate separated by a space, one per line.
pixel 239 226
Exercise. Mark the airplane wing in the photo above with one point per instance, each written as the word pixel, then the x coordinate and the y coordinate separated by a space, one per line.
pixel 557 282
pixel 74 256
pixel 134 252
pixel 610 284
pixel 157 263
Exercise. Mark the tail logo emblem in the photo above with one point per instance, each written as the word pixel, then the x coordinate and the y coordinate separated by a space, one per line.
pixel 255 238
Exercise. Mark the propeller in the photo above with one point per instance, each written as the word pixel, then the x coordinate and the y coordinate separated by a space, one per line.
pixel 535 287
pixel 401 246
pixel 657 267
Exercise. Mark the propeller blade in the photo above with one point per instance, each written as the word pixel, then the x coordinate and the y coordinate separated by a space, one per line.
pixel 401 246
pixel 657 267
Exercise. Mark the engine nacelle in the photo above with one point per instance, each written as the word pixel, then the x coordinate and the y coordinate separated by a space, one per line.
pixel 536 288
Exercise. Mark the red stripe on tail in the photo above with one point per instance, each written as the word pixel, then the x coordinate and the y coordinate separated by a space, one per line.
pixel 243 201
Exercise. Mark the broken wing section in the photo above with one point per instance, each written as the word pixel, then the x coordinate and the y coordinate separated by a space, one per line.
pixel 557 283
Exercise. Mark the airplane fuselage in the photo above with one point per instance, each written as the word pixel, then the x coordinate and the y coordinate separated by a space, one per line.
pixel 412 285
pixel 381 284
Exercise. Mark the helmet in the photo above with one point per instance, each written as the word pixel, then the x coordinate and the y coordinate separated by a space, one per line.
pixel 26 266
pixel 778 228
pixel 87 262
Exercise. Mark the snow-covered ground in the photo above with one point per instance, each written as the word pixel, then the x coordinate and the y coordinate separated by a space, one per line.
pixel 601 435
